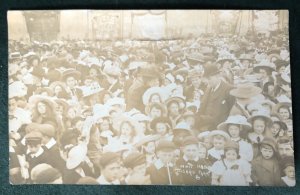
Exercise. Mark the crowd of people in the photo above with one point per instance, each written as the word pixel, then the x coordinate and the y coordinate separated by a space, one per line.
pixel 207 110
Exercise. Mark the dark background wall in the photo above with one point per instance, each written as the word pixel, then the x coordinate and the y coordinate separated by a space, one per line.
pixel 292 5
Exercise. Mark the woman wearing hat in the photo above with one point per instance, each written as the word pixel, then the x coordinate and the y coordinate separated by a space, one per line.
pixel 218 138
pixel 264 69
pixel 237 126
pixel 156 110
pixel 175 106
pixel 243 94
pixel 260 122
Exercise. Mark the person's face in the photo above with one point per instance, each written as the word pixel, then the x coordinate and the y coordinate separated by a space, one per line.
pixel 140 169
pixel 153 82
pixel 57 89
pixel 126 129
pixel 275 129
pixel 155 112
pixel 227 65
pixel 290 172
pixel 246 63
pixel 93 72
pixel 33 148
pixel 161 128
pixel 196 81
pixel 155 99
pixel 263 73
pixel 112 171
pixel 231 155
pixel 219 142
pixel 41 107
pixel 267 151
pixel 285 149
pixel 150 147
pixel 191 151
pixel 57 181
pixel 271 90
pixel 281 70
pixel 12 105
pixel 71 82
pixel 202 152
pixel 35 62
pixel 104 125
pixel 174 109
pixel 259 126
pixel 166 156
pixel 284 113
pixel 234 131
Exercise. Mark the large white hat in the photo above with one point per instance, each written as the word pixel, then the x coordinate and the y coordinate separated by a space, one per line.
pixel 151 91
pixel 219 132
pixel 235 119
pixel 76 155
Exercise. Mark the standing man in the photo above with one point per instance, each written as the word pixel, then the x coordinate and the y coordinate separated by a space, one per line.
pixel 216 101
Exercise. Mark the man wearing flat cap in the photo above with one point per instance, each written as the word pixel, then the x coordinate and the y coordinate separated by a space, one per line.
pixel 135 163
pixel 216 102
pixel 110 165
pixel 162 171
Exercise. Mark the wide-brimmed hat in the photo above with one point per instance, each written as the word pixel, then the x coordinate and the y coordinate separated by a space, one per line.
pixel 219 132
pixel 196 72
pixel 117 122
pixel 62 102
pixel 146 139
pixel 33 100
pixel 41 90
pixel 148 72
pixel 182 127
pixel 284 103
pixel 13 69
pixel 151 91
pixel 265 64
pixel 236 120
pixel 270 142
pixel 165 120
pixel 262 113
pixel 246 90
pixel 76 155
pixel 161 106
pixel 179 99
pixel 71 72
pixel 57 83
pixel 100 111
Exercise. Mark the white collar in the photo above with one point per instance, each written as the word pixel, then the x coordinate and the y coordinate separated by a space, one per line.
pixel 288 181
pixel 37 154
pixel 102 180
pixel 216 153
pixel 159 164
pixel 253 137
pixel 50 143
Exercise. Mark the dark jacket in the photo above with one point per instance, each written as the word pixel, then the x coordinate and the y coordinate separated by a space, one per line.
pixel 215 107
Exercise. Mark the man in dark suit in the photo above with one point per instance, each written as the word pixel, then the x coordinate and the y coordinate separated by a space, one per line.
pixel 216 102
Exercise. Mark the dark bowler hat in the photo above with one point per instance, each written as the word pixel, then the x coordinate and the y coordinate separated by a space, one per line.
pixel 165 145
pixel 108 158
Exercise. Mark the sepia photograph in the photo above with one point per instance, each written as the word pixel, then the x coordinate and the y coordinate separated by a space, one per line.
pixel 150 97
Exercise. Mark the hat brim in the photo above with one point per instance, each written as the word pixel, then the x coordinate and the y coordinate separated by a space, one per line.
pixel 179 100
pixel 219 132
pixel 242 94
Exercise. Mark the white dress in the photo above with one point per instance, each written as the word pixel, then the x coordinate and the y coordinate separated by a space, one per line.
pixel 232 173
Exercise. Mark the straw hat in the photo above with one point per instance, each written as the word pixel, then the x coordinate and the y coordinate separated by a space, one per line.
pixel 124 118
pixel 262 113
pixel 161 106
pixel 182 126
pixel 237 120
pixel 146 139
pixel 179 99
pixel 17 89
pixel 219 132
pixel 265 64
pixel 33 100
pixel 246 90
pixel 71 72
pixel 151 91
